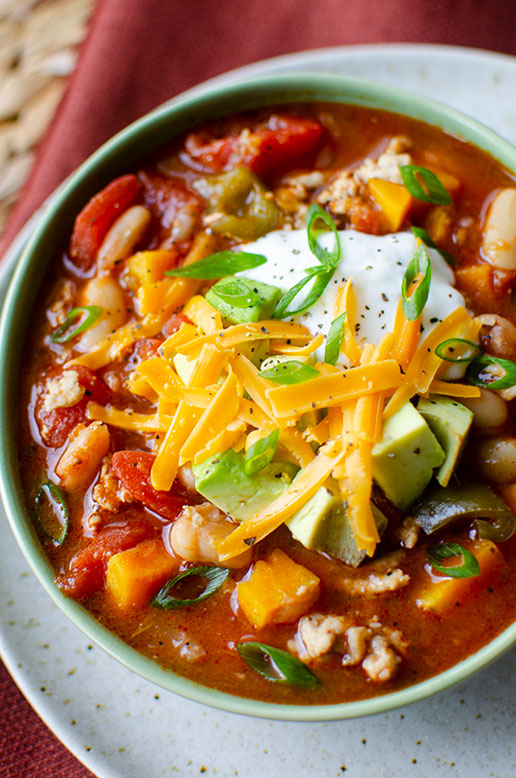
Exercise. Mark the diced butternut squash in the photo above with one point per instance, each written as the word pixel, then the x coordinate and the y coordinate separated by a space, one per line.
pixel 147 267
pixel 438 596
pixel 450 182
pixel 393 200
pixel 203 314
pixel 476 283
pixel 278 590
pixel 439 223
pixel 134 576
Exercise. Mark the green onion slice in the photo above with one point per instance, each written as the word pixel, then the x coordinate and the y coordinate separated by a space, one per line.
pixel 334 339
pixel 423 235
pixel 224 263
pixel 418 265
pixel 237 292
pixel 261 453
pixel 322 279
pixel 213 577
pixel 458 350
pixel 87 315
pixel 430 190
pixel 467 568
pixel 291 372
pixel 52 512
pixel 331 257
pixel 479 372
pixel 276 665
pixel 498 530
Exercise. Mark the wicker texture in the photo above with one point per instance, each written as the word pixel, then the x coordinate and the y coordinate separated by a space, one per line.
pixel 38 51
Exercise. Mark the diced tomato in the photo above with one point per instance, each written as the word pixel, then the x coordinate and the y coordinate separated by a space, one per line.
pixel 279 143
pixel 174 323
pixel 166 198
pixel 88 567
pixel 145 348
pixel 97 216
pixel 365 218
pixel 133 469
pixel 504 281
pixel 55 426
pixel 96 389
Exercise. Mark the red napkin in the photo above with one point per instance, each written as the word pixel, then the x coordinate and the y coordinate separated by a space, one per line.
pixel 142 52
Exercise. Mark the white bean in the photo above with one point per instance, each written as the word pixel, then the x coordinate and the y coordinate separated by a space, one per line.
pixel 124 235
pixel 499 233
pixel 106 293
pixel 194 534
pixel 490 411
pixel 498 335
pixel 186 478
pixel 495 459
pixel 83 456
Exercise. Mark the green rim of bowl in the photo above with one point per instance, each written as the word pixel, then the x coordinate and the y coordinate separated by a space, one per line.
pixel 113 158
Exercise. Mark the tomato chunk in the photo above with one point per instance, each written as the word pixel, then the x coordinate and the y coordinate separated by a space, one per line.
pixel 168 197
pixel 87 568
pixel 175 323
pixel 279 143
pixel 97 216
pixel 56 425
pixel 133 469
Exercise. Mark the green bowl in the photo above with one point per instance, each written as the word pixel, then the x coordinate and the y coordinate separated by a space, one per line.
pixel 117 156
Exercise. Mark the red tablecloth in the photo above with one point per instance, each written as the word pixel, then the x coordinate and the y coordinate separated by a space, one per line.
pixel 141 52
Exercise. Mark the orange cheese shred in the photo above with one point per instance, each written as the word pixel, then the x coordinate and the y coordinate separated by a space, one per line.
pixel 330 390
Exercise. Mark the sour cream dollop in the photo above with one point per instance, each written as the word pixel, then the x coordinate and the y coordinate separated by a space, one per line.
pixel 376 264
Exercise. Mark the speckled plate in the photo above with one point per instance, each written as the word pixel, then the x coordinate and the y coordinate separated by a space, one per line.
pixel 121 726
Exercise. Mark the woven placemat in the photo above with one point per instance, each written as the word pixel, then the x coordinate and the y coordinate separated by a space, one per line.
pixel 38 52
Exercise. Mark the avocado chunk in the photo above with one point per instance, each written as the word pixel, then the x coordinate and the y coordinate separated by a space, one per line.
pixel 323 525
pixel 222 480
pixel 450 422
pixel 256 351
pixel 262 300
pixel 406 456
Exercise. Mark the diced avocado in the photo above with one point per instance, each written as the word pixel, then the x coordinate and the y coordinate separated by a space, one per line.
pixel 405 457
pixel 323 525
pixel 268 296
pixel 221 479
pixel 184 367
pixel 450 421
pixel 278 359
pixel 256 351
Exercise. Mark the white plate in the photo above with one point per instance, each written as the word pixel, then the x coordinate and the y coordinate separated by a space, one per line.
pixel 121 726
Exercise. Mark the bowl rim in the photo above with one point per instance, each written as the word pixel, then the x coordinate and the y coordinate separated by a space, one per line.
pixel 222 100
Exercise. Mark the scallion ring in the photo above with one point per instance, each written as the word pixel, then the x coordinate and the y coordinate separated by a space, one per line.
pixel 237 292
pixel 322 279
pixel 479 372
pixel 419 265
pixel 277 665
pixel 87 314
pixel 51 512
pixel 467 568
pixel 432 191
pixel 470 351
pixel 261 453
pixel 224 263
pixel 316 213
pixel 334 339
pixel 291 372
pixel 214 578
pixel 423 235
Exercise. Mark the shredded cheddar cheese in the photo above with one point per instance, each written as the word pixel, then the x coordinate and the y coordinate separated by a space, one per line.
pixel 219 400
